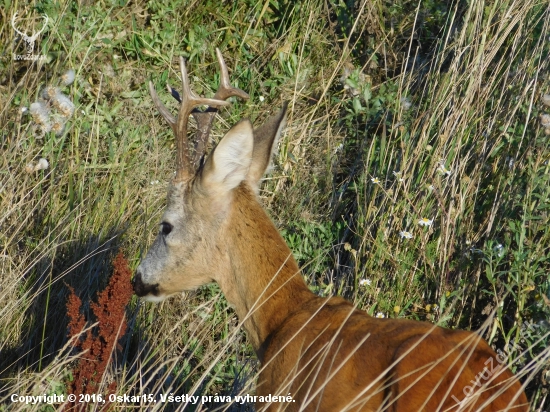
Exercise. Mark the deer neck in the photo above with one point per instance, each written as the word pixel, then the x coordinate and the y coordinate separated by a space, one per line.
pixel 263 282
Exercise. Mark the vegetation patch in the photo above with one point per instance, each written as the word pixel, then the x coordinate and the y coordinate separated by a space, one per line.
pixel 412 177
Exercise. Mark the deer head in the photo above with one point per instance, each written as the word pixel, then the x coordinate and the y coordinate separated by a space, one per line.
pixel 188 251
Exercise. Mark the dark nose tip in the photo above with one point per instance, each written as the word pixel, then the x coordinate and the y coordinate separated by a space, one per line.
pixel 137 284
pixel 142 289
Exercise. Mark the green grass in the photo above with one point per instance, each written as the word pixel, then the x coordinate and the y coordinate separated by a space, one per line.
pixel 373 88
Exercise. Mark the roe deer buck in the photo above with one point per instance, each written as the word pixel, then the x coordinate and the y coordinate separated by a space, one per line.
pixel 327 354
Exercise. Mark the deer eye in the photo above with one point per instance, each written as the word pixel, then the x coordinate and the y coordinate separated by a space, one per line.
pixel 165 228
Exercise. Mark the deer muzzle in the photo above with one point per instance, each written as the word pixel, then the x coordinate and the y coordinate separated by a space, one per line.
pixel 142 289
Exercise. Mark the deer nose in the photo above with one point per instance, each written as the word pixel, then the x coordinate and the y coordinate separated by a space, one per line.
pixel 137 283
pixel 142 289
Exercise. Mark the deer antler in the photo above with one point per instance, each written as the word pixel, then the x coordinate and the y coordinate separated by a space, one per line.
pixel 205 119
pixel 189 100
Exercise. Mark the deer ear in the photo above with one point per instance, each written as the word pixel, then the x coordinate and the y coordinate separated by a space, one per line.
pixel 230 161
pixel 265 142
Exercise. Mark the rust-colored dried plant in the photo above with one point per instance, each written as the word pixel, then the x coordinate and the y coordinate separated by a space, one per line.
pixel 99 342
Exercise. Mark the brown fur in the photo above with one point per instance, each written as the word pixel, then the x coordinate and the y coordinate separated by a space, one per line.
pixel 327 354
pixel 301 339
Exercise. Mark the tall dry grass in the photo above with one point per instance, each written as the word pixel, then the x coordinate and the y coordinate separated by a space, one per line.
pixel 374 89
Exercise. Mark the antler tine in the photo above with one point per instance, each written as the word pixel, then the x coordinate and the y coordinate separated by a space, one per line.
pixel 205 119
pixel 189 100
pixel 169 117
pixel 225 91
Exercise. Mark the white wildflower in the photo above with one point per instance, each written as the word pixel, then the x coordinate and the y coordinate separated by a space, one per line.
pixel 442 169
pixel 261 98
pixel 42 164
pixel 49 92
pixel 365 282
pixel 375 180
pixel 398 176
pixel 29 167
pixel 39 112
pixel 68 77
pixel 154 182
pixel 405 235
pixel 46 127
pixel 58 125
pixel 425 222
pixel 63 104
pixel 380 315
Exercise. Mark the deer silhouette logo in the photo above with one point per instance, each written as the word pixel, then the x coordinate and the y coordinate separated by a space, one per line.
pixel 30 40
